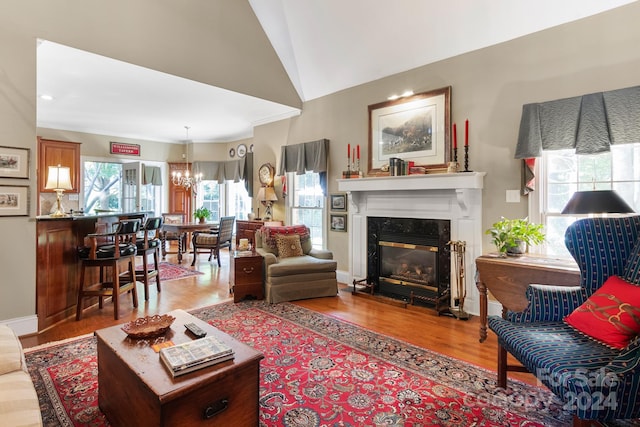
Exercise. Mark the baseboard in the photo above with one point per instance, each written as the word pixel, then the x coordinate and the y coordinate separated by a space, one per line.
pixel 343 277
pixel 23 325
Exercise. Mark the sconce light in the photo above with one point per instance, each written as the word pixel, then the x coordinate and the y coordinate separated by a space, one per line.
pixel 267 195
pixel 596 201
pixel 58 179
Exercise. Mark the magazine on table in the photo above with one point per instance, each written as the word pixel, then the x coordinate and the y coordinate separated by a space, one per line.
pixel 196 354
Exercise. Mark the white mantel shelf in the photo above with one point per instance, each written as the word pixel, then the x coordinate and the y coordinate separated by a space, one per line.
pixel 439 181
pixel 463 184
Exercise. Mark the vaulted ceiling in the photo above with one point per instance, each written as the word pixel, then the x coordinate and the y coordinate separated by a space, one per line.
pixel 325 46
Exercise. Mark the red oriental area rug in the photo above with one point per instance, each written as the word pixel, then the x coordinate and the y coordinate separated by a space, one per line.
pixel 318 371
pixel 173 272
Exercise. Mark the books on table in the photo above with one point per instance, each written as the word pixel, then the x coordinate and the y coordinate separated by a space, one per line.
pixel 193 355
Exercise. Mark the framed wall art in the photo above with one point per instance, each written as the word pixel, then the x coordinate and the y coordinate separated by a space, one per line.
pixel 414 128
pixel 338 222
pixel 339 202
pixel 14 200
pixel 14 162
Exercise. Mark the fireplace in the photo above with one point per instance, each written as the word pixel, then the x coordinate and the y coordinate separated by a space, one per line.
pixel 448 201
pixel 409 259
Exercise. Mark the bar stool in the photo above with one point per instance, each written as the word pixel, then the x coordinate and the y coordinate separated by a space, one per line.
pixel 147 244
pixel 120 247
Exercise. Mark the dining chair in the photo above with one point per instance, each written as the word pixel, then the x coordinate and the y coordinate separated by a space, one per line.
pixel 213 240
pixel 171 218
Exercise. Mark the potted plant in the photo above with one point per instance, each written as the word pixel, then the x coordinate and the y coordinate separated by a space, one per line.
pixel 202 214
pixel 512 236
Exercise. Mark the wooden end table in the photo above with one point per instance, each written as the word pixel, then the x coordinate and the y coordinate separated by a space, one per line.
pixel 134 387
pixel 245 275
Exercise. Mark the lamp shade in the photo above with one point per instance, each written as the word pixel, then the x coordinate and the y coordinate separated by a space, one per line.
pixel 59 178
pixel 267 194
pixel 596 201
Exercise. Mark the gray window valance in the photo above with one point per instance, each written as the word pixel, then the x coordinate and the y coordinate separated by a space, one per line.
pixel 151 175
pixel 588 123
pixel 308 156
pixel 229 170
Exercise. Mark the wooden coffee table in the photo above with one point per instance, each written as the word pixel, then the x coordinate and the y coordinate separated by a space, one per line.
pixel 135 388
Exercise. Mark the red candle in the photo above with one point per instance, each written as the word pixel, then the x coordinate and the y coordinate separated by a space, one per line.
pixel 466 132
pixel 348 151
pixel 455 137
pixel 358 151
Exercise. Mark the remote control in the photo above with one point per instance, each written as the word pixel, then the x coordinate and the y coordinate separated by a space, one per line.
pixel 195 330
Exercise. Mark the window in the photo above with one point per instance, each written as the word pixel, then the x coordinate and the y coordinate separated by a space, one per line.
pixel 228 199
pixel 307 205
pixel 209 197
pixel 562 172
pixel 102 186
pixel 239 202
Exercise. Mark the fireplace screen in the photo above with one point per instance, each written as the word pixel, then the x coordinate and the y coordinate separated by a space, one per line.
pixel 402 263
pixel 409 259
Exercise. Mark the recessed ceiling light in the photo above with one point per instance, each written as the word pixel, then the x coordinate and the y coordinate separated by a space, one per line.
pixel 46 97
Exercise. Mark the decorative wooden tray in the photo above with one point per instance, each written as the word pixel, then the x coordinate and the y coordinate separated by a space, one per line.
pixel 149 326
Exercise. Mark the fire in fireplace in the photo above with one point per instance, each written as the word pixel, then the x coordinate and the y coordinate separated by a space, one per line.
pixel 409 259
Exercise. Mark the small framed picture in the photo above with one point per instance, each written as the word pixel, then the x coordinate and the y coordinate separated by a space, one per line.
pixel 14 162
pixel 339 202
pixel 338 222
pixel 14 200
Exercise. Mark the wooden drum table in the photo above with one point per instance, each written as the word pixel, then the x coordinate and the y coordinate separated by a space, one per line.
pixel 135 388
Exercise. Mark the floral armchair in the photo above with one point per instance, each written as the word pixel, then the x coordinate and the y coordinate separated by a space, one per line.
pixel 595 378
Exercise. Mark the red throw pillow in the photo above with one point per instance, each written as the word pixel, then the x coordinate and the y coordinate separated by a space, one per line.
pixel 611 315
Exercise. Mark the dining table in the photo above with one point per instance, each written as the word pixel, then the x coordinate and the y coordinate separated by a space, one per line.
pixel 184 230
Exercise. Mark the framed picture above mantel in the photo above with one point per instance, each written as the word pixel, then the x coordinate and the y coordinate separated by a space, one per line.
pixel 414 128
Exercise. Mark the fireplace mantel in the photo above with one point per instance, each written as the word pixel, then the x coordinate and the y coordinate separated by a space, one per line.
pixel 456 197
pixel 459 183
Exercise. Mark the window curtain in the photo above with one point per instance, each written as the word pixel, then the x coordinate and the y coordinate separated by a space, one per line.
pixel 588 123
pixel 151 175
pixel 229 170
pixel 306 157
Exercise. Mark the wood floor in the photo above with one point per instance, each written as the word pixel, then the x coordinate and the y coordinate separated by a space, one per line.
pixel 421 327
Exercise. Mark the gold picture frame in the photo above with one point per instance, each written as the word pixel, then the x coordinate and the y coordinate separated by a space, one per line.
pixel 414 128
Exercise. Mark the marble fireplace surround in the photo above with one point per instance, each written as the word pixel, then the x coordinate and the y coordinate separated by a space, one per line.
pixel 456 197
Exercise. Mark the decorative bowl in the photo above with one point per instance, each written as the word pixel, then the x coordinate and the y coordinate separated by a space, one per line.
pixel 149 326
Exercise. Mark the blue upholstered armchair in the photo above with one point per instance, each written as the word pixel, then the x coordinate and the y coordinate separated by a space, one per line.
pixel 595 381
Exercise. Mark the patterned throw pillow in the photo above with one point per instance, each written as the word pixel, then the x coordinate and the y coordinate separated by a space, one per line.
pixel 269 237
pixel 611 315
pixel 288 246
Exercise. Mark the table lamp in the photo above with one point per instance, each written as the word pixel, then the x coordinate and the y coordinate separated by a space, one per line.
pixel 58 179
pixel 596 201
pixel 267 195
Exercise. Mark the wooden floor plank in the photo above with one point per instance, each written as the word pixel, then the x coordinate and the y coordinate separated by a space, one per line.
pixel 422 327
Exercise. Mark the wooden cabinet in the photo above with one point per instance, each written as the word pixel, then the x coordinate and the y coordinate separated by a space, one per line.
pixel 245 276
pixel 54 153
pixel 179 197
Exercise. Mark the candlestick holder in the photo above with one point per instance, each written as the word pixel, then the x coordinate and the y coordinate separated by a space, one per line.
pixel 455 155
pixel 466 159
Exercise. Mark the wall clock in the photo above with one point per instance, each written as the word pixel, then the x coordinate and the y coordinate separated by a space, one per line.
pixel 265 174
pixel 242 150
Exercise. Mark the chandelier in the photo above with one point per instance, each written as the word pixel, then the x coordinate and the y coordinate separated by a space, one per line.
pixel 187 181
